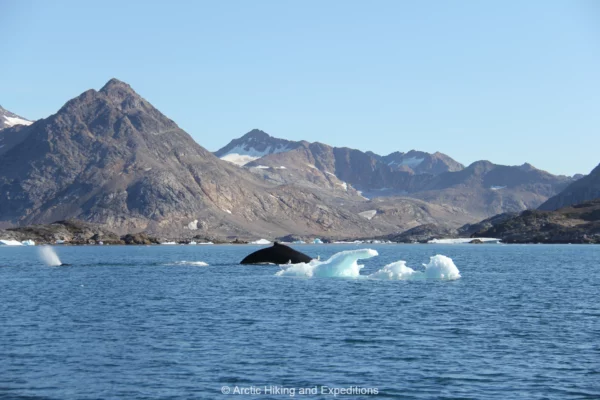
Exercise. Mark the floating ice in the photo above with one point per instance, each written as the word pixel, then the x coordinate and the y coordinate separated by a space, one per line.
pixel 439 268
pixel 343 264
pixel 28 242
pixel 261 241
pixel 395 271
pixel 10 243
pixel 49 256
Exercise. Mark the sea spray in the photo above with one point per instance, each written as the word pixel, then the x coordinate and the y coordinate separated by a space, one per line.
pixel 340 265
pixel 49 256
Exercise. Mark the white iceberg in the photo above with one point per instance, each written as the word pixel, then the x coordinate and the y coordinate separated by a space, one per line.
pixel 439 268
pixel 343 264
pixel 28 242
pixel 10 243
pixel 261 241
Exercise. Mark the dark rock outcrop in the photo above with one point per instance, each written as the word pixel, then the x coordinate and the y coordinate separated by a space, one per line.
pixel 69 232
pixel 423 234
pixel 578 223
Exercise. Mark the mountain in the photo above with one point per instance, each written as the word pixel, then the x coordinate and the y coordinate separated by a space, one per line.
pixel 482 189
pixel 487 189
pixel 420 162
pixel 579 223
pixel 109 157
pixel 583 189
pixel 252 146
pixel 8 119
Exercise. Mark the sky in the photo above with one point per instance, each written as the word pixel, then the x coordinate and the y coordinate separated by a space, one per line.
pixel 505 81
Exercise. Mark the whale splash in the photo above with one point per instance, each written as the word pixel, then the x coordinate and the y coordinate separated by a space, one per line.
pixel 49 256
pixel 345 265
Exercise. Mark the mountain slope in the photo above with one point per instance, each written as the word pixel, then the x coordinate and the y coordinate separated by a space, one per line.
pixel 110 157
pixel 9 119
pixel 584 189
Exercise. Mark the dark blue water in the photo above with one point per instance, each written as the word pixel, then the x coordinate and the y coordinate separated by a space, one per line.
pixel 127 322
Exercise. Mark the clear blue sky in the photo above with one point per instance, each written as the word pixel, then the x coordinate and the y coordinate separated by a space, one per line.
pixel 507 81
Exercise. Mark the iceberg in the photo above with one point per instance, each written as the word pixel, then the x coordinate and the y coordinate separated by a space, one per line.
pixel 343 264
pixel 261 241
pixel 439 268
pixel 317 241
pixel 28 242
pixel 10 243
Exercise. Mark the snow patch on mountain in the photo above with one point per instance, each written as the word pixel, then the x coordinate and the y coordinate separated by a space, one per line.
pixel 369 214
pixel 12 121
pixel 243 154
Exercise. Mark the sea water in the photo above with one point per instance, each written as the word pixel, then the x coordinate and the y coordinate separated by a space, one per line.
pixel 170 322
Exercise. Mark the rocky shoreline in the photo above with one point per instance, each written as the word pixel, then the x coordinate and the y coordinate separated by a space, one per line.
pixel 578 224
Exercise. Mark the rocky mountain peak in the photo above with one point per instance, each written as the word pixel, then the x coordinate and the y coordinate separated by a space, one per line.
pixel 254 145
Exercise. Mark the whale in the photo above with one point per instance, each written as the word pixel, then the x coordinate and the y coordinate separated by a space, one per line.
pixel 65 265
pixel 276 254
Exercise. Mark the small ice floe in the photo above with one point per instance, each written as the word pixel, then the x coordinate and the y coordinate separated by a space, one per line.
pixel 261 241
pixel 10 243
pixel 169 243
pixel 28 242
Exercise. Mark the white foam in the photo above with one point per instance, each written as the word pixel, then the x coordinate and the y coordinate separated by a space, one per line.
pixel 49 256
pixel 340 265
pixel 195 263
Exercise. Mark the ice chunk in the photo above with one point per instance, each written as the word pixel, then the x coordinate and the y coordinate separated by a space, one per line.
pixel 343 264
pixel 439 268
pixel 261 241
pixel 10 243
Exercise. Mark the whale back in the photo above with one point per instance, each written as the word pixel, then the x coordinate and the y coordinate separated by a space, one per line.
pixel 276 254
